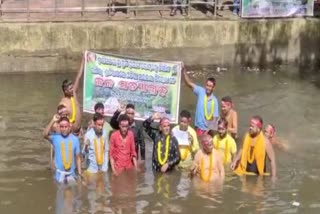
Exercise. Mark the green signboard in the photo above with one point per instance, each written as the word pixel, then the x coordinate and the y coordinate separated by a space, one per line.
pixel 151 86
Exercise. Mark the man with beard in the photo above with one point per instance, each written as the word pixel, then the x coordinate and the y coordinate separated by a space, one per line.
pixel 165 154
pixel 134 127
pixel 66 150
pixel 224 143
pixel 122 149
pixel 207 108
pixel 256 149
pixel 96 145
pixel 207 163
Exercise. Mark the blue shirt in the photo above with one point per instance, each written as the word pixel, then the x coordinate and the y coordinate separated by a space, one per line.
pixel 57 140
pixel 200 120
pixel 89 139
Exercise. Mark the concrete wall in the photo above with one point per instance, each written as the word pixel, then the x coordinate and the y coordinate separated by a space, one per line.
pixel 49 47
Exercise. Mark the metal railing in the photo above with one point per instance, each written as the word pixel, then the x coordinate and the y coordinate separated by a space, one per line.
pixel 11 9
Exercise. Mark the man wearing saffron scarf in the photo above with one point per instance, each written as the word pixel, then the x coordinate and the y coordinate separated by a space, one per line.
pixel 207 109
pixel 123 154
pixel 252 158
pixel 66 150
pixel 207 163
pixel 224 143
pixel 165 154
pixel 187 152
pixel 99 108
pixel 96 145
pixel 70 100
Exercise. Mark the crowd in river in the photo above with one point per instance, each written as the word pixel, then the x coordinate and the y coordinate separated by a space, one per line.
pixel 119 145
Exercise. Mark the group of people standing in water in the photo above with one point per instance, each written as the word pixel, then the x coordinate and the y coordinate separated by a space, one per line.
pixel 119 145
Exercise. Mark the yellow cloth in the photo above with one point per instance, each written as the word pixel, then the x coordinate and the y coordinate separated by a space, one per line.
pixel 221 146
pixel 187 162
pixel 192 132
pixel 258 154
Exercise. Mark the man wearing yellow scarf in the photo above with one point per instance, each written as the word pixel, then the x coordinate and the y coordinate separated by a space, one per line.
pixel 165 154
pixel 187 152
pixel 224 143
pixel 70 100
pixel 66 150
pixel 207 163
pixel 96 145
pixel 251 160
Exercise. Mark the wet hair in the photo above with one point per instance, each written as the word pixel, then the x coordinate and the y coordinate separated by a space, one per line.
pixel 257 117
pixel 185 113
pixel 273 127
pixel 212 133
pixel 61 106
pixel 212 79
pixel 98 106
pixel 123 117
pixel 223 121
pixel 226 99
pixel 206 137
pixel 97 116
pixel 65 84
pixel 64 119
pixel 130 105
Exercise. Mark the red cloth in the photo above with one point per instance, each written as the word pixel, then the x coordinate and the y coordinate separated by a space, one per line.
pixel 122 152
pixel 200 132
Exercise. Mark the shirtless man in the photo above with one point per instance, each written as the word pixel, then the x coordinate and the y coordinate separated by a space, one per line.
pixel 70 100
pixel 208 163
pixel 270 133
pixel 229 114
pixel 256 150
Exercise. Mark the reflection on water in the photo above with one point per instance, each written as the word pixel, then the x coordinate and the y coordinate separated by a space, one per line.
pixel 26 185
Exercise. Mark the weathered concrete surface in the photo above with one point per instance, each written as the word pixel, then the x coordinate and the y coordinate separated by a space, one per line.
pixel 57 46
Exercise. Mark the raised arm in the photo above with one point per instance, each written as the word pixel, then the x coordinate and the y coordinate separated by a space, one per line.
pixel 147 126
pixel 114 120
pixel 79 75
pixel 187 78
pixel 47 130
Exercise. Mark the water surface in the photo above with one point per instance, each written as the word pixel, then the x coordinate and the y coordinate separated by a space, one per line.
pixel 26 185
